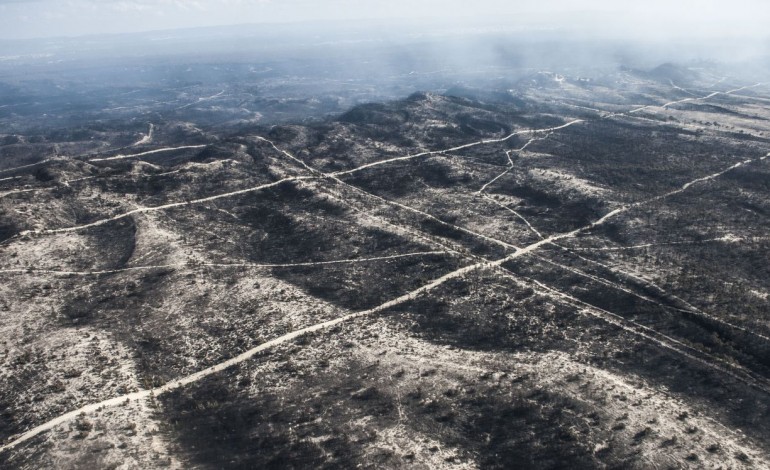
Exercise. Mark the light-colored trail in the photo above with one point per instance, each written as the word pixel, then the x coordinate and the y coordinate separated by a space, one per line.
pixel 689 308
pixel 543 240
pixel 681 89
pixel 725 239
pixel 531 248
pixel 20 191
pixel 713 176
pixel 749 97
pixel 201 100
pixel 512 165
pixel 149 152
pixel 455 149
pixel 335 176
pixel 41 162
pixel 605 114
pixel 687 100
pixel 223 265
pixel 164 207
pixel 554 238
pixel 11 178
pixel 147 138
pixel 613 318
pixel 623 209
pixel 174 384
pixel 396 228
pixel 645 332
pixel 515 213
pixel 573 270
pixel 67 183
pixel 387 201
pixel 87 178
pixel 494 180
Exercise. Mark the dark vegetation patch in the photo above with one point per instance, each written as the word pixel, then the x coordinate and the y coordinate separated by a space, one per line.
pixel 444 230
pixel 119 305
pixel 209 153
pixel 752 177
pixel 390 183
pixel 738 404
pixel 36 452
pixel 614 231
pixel 335 418
pixel 289 224
pixel 156 188
pixel 483 316
pixel 14 421
pixel 153 190
pixel 115 242
pixel 533 196
pixel 439 174
pixel 525 433
pixel 404 122
pixel 283 133
pixel 10 140
pixel 471 244
pixel 553 212
pixel 375 114
pixel 640 160
pixel 714 342
pixel 485 95
pixel 381 125
pixel 43 175
pixel 364 286
pixel 127 306
pixel 23 155
pixel 663 312
pixel 7 228
pixel 472 125
pixel 218 425
pixel 714 109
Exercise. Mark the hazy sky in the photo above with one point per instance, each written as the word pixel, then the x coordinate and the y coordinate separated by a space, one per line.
pixel 42 18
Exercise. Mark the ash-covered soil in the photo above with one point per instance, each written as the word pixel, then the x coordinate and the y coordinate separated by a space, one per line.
pixel 570 274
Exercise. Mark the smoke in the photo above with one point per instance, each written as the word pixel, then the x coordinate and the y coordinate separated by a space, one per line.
pixel 649 20
pixel 361 39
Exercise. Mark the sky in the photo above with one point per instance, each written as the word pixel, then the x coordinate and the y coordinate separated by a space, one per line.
pixel 21 19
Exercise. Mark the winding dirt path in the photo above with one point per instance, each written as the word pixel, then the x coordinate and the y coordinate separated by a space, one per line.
pixel 662 340
pixel 222 265
pixel 149 152
pixel 455 149
pixel 163 207
pixel 174 384
pixel 530 248
pixel 147 138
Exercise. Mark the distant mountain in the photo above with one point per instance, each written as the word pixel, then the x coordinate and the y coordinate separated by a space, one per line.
pixel 673 72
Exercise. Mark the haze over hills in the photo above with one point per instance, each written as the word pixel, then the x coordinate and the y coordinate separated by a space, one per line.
pixel 423 249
